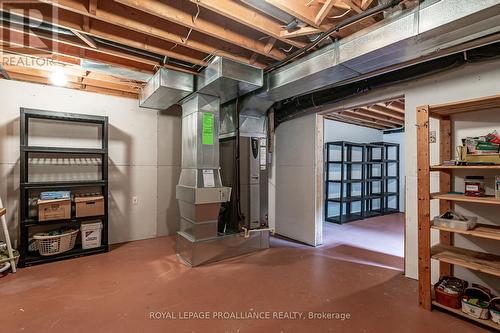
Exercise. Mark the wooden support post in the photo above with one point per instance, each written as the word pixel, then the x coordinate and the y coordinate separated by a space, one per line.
pixel 445 153
pixel 319 177
pixel 423 181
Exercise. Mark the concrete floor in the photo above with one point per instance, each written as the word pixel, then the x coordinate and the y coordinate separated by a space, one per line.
pixel 378 241
pixel 117 291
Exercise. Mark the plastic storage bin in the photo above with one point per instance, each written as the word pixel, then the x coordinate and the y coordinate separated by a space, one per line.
pixel 91 235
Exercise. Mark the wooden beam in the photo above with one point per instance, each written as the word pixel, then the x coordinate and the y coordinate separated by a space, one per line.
pixel 352 122
pixel 298 9
pixel 269 45
pixel 41 41
pixel 352 5
pixel 251 18
pixel 74 21
pixel 375 115
pixel 76 76
pixel 327 7
pixel 365 118
pixel 302 31
pixel 397 105
pixel 15 38
pixel 391 107
pixel 73 83
pixel 383 111
pixel 17 54
pixel 365 4
pixel 86 39
pixel 169 10
pixel 423 208
pixel 253 58
pixel 92 7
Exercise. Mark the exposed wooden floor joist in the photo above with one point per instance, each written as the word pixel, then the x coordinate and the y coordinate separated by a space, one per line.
pixel 182 35
pixel 378 115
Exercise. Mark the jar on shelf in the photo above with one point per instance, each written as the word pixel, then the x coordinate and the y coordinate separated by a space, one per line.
pixel 474 186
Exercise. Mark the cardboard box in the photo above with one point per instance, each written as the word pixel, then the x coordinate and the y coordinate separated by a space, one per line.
pixel 59 209
pixel 89 206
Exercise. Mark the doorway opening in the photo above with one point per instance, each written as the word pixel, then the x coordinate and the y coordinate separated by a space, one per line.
pixel 363 181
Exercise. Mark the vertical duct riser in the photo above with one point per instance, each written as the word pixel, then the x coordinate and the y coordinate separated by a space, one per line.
pixel 200 191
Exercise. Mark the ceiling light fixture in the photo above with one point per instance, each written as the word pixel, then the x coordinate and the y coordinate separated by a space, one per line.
pixel 58 77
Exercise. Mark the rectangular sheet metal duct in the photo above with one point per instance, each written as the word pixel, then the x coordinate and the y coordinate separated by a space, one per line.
pixel 228 79
pixel 417 35
pixel 165 88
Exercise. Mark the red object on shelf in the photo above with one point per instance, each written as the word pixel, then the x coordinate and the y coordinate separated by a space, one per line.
pixel 448 299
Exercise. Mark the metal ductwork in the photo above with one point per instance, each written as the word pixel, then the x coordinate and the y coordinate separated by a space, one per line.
pixel 165 88
pixel 415 36
pixel 200 191
pixel 228 79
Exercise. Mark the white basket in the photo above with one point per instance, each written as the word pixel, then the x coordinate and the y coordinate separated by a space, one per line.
pixel 51 245
pixel 476 311
pixel 495 315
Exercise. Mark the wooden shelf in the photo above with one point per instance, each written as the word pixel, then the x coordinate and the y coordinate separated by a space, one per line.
pixel 478 261
pixel 465 167
pixel 459 312
pixel 2 211
pixel 471 105
pixel 481 230
pixel 445 253
pixel 491 200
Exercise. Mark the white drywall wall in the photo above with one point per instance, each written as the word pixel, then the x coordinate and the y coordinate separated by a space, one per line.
pixel 169 169
pixel 292 185
pixel 337 131
pixel 134 165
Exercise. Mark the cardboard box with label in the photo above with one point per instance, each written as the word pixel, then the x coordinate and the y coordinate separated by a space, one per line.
pixel 89 206
pixel 58 209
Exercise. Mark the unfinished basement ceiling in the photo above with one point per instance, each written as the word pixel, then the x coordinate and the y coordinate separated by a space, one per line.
pixel 181 35
pixel 385 115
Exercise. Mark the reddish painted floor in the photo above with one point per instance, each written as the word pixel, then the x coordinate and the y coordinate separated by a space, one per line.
pixel 116 292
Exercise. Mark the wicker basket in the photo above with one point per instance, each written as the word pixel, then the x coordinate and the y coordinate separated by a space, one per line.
pixel 452 300
pixel 51 245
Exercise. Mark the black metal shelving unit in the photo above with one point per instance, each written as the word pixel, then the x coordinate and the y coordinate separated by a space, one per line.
pixel 27 187
pixel 391 177
pixel 374 182
pixel 361 186
pixel 348 205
